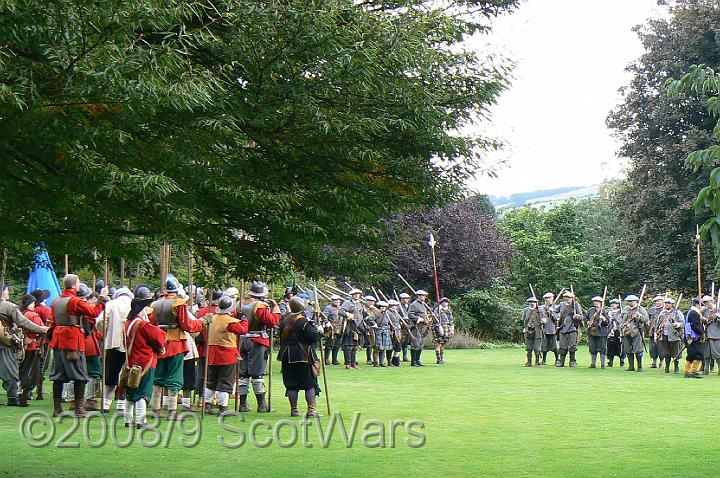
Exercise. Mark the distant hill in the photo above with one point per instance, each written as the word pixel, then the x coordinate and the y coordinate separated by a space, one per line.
pixel 545 197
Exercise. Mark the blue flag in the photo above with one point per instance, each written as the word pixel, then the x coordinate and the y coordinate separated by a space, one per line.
pixel 42 276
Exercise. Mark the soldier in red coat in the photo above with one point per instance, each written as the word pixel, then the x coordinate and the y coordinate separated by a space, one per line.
pixel 223 353
pixel 68 327
pixel 45 313
pixel 145 342
pixel 201 340
pixel 170 313
pixel 29 365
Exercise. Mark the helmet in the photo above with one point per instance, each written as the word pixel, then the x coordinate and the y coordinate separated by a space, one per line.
pixel 217 294
pixel 143 293
pixel 303 295
pixel 288 292
pixel 171 284
pixel 84 291
pixel 258 289
pixel 297 305
pixel 99 284
pixel 226 304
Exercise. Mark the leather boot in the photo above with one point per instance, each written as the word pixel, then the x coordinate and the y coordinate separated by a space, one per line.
pixel 602 361
pixel 417 361
pixel 244 404
pixel 706 367
pixel 638 358
pixel 209 410
pixel 80 400
pixel 327 355
pixel 593 361
pixel 311 409
pixel 667 366
pixel 677 365
pixel 438 360
pixel 262 406
pixel 537 359
pixel 294 412
pixel 23 401
pixel 368 356
pixel 560 362
pixel 413 363
pixel 382 358
pixel 335 357
pixel 573 362
pixel 610 362
pixel 528 362
pixel 712 369
pixel 544 358
pixel 39 392
pixel 654 363
pixel 404 351
pixel 556 356
pixel 57 398
pixel 631 362
pixel 718 362
pixel 375 358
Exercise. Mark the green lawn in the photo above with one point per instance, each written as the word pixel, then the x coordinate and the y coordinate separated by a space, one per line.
pixel 484 414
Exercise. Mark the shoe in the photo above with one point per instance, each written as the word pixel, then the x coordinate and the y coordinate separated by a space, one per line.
pixel 262 405
pixel 244 407
pixel 369 362
pixel 348 367
pixel 335 362
pixel 91 405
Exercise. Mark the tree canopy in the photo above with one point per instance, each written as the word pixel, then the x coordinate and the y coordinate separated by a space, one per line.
pixel 258 132
pixel 655 202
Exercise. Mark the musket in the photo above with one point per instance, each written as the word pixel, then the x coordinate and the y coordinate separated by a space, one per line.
pixel 3 274
pixel 322 354
pixel 207 358
pixel 104 348
pixel 432 314
pixel 598 313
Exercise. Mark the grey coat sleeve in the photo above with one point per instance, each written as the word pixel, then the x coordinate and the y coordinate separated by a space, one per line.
pixel 27 324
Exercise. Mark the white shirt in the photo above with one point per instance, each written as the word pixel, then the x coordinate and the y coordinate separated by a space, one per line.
pixel 116 312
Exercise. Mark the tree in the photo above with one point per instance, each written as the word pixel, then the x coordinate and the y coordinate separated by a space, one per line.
pixel 655 202
pixel 471 251
pixel 257 132
pixel 570 244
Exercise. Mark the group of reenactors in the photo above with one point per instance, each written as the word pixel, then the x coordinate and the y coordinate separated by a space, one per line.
pixel 163 352
pixel 384 328
pixel 624 332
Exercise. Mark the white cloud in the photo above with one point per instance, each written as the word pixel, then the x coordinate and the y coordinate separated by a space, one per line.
pixel 571 57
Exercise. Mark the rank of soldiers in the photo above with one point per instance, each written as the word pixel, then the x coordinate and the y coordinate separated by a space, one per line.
pixel 624 332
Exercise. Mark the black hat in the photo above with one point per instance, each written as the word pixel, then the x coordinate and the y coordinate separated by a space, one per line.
pixel 40 295
pixel 217 294
pixel 27 301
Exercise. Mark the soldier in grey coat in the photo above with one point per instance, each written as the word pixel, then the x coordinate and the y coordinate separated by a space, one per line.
pixel 632 324
pixel 333 328
pixel 653 318
pixel 713 333
pixel 708 310
pixel 404 304
pixel 350 329
pixel 570 317
pixel 443 331
pixel 418 318
pixel 598 325
pixel 11 318
pixel 669 333
pixel 549 317
pixel 532 329
pixel 614 339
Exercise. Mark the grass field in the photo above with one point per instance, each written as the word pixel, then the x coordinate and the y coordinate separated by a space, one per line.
pixel 484 415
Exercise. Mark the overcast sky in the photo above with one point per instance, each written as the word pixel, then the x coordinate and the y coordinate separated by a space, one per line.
pixel 571 57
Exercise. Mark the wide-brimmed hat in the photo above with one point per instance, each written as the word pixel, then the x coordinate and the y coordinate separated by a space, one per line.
pixel 258 289
pixel 226 305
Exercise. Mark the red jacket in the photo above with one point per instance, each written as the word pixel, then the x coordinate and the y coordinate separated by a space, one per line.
pixel 149 341
pixel 45 313
pixel 220 355
pixel 70 337
pixel 35 317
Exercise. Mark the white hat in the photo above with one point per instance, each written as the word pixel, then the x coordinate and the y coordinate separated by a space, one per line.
pixel 404 295
pixel 531 299
pixel 597 299
pixel 232 292
pixel 370 298
pixel 549 295
pixel 421 292
pixel 393 302
pixel 355 291
pixel 382 303
pixel 658 297
pixel 632 298
pixel 123 291
pixel 669 300
pixel 335 297
pixel 569 294
pixel 707 298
